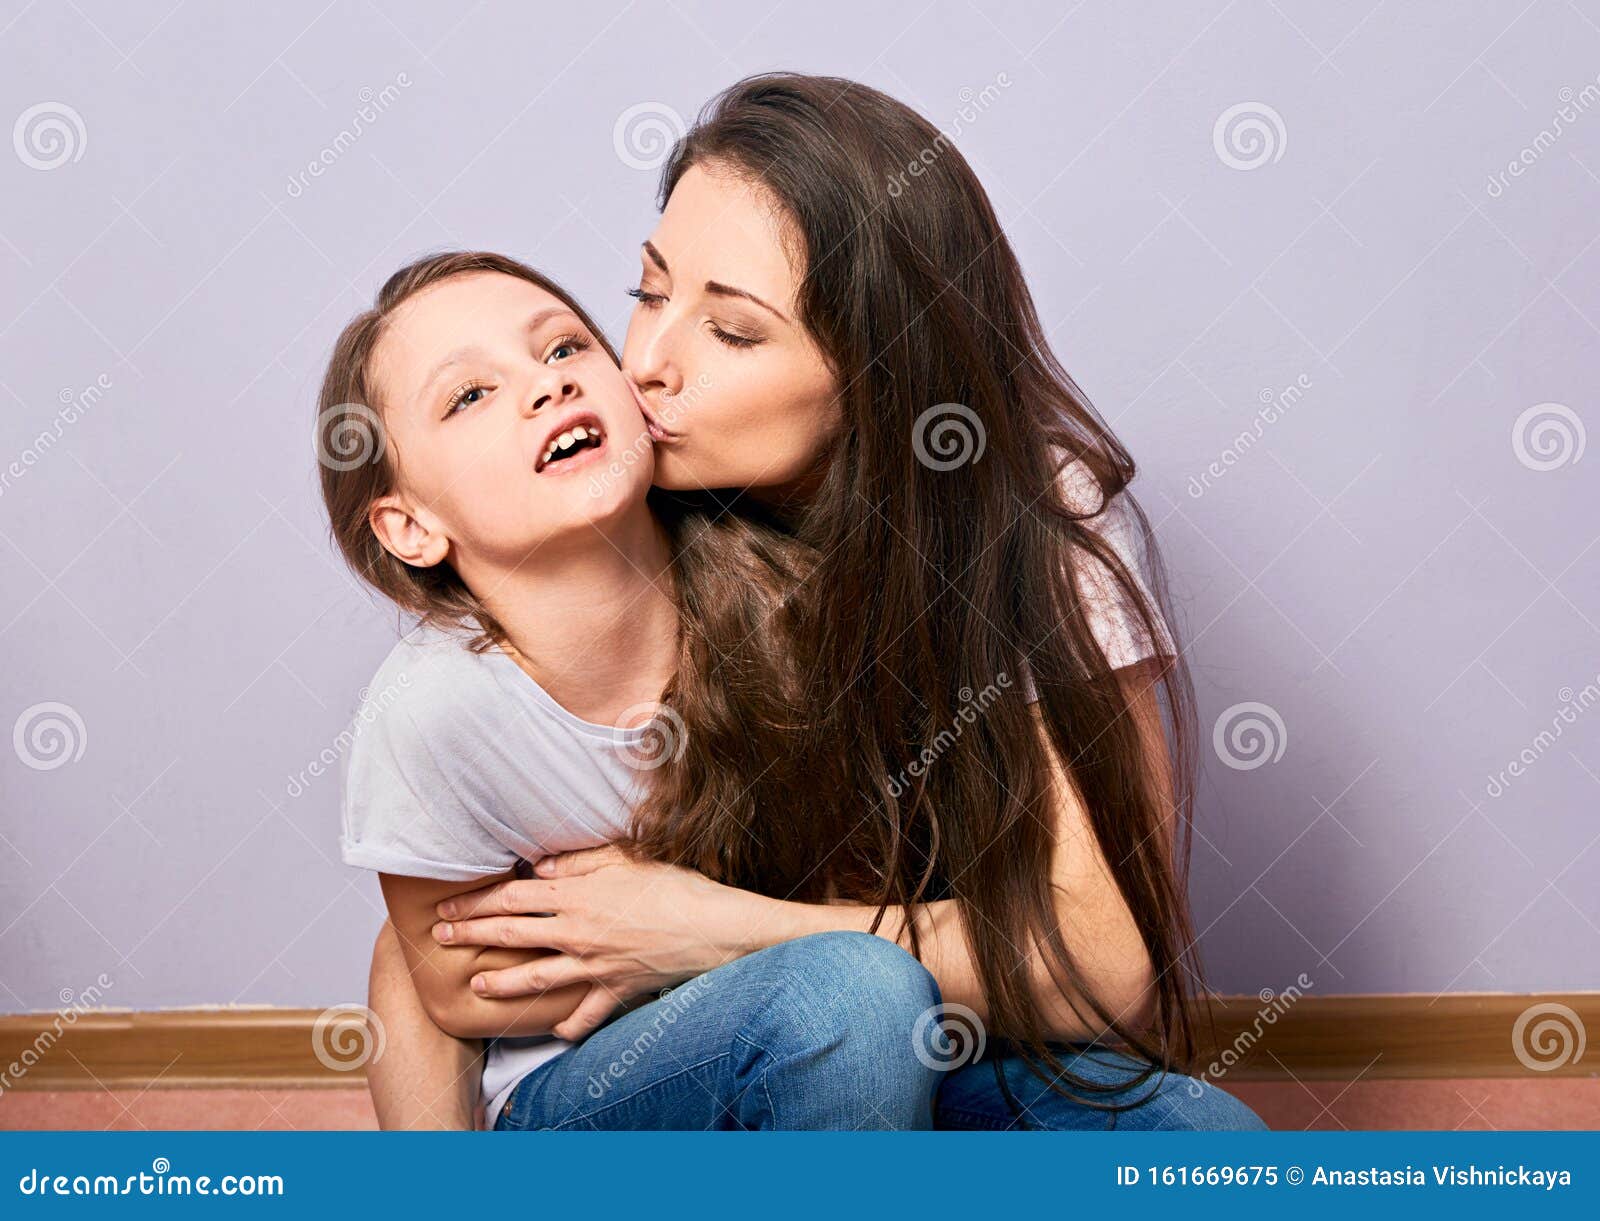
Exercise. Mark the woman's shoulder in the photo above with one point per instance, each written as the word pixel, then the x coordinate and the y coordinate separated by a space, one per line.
pixel 1115 519
pixel 1113 609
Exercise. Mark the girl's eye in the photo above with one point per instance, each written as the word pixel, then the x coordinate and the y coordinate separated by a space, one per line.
pixel 572 345
pixel 465 397
pixel 647 300
pixel 732 340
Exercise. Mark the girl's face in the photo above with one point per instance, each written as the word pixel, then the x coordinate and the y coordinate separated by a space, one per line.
pixel 735 392
pixel 482 377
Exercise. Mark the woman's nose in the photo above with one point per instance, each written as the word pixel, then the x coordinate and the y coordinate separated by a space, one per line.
pixel 648 358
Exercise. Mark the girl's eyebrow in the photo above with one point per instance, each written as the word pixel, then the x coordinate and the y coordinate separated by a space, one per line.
pixel 459 356
pixel 715 287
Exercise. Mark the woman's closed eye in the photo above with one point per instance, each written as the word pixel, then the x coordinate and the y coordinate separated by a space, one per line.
pixel 732 338
pixel 650 300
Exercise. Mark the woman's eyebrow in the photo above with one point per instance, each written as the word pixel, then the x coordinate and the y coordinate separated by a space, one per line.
pixel 715 287
pixel 728 290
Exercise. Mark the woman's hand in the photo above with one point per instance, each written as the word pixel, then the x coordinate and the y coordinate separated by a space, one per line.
pixel 626 928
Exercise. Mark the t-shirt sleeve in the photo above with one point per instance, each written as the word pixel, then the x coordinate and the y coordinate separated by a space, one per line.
pixel 1112 616
pixel 402 810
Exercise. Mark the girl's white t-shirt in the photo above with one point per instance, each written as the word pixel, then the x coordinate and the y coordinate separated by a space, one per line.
pixel 460 765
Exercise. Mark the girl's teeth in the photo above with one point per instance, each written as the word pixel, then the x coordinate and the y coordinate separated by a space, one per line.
pixel 568 439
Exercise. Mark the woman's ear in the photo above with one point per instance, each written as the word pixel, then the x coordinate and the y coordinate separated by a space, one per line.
pixel 406 533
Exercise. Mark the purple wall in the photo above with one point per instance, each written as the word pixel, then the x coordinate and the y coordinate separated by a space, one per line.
pixel 1284 239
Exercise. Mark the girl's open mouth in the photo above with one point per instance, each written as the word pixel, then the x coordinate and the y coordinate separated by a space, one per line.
pixel 571 447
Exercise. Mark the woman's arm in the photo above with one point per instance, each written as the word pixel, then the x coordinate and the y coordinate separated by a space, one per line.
pixel 638 926
pixel 1094 919
pixel 443 973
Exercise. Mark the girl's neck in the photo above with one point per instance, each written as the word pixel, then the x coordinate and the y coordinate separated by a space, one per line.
pixel 595 624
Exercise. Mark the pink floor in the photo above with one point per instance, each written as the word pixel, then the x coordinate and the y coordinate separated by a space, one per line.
pixel 1491 1103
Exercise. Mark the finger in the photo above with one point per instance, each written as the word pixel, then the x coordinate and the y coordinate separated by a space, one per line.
pixel 507 932
pixel 581 861
pixel 518 897
pixel 588 1017
pixel 531 978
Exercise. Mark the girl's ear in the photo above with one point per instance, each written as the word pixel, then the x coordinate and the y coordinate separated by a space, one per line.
pixel 406 535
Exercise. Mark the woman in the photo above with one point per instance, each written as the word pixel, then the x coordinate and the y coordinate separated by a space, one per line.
pixel 817 340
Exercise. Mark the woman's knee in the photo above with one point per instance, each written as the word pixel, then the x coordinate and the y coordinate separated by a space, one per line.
pixel 854 986
pixel 1193 1105
pixel 1208 1108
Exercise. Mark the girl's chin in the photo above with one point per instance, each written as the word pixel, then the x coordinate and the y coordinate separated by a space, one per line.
pixel 600 501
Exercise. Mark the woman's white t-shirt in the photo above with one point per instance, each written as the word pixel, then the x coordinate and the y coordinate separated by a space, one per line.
pixel 460 766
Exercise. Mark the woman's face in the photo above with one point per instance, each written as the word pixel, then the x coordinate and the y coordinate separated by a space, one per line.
pixel 480 378
pixel 734 390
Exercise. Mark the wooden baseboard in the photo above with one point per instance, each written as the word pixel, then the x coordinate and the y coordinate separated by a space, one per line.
pixel 1308 1037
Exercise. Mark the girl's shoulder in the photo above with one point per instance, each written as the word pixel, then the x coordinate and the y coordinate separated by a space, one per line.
pixel 427 677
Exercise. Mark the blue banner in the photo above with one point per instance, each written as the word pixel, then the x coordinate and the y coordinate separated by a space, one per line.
pixel 577 1176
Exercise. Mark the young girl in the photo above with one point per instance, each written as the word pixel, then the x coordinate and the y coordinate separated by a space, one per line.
pixel 862 354
pixel 505 506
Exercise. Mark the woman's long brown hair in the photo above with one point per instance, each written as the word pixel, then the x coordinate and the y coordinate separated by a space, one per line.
pixel 929 584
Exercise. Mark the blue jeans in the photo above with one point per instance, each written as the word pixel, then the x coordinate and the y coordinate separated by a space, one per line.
pixel 829 1032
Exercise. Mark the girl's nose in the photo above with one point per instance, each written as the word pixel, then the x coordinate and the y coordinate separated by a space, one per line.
pixel 552 393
